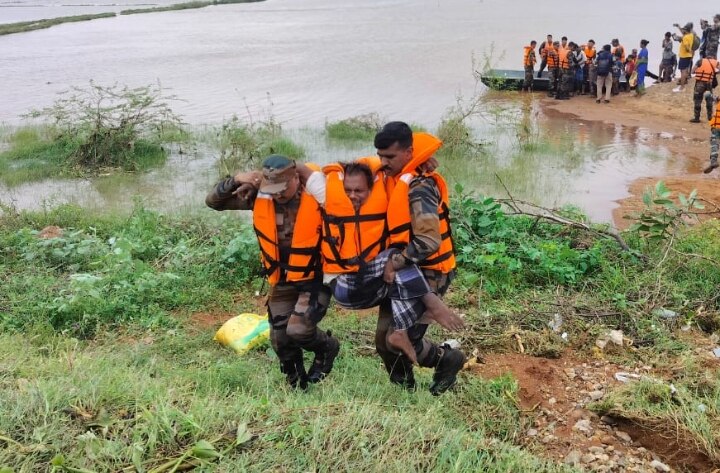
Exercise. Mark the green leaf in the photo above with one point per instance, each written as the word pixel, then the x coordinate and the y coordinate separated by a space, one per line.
pixel 58 460
pixel 698 205
pixel 647 198
pixel 204 450
pixel 660 188
pixel 242 435
pixel 663 201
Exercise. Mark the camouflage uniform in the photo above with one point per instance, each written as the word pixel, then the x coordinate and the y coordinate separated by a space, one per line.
pixel 529 73
pixel 566 83
pixel 714 145
pixel 308 301
pixel 425 239
pixel 710 45
pixel 700 91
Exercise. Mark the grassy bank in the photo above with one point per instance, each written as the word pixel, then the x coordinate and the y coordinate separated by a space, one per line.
pixel 24 26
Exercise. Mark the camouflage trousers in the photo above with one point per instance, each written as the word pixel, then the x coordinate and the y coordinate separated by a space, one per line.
pixel 699 93
pixel 566 83
pixel 714 145
pixel 529 76
pixel 554 76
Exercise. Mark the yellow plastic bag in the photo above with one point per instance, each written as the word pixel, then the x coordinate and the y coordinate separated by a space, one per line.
pixel 244 332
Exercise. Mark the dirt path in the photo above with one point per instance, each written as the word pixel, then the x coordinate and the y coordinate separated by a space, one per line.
pixel 664 115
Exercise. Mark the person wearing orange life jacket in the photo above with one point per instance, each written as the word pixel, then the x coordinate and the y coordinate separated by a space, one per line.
pixel 590 53
pixel 553 65
pixel 705 72
pixel 567 76
pixel 288 224
pixel 529 61
pixel 355 205
pixel 419 225
pixel 714 132
pixel 618 50
pixel 543 55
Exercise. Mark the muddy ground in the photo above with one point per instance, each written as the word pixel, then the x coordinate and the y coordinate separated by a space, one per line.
pixel 664 117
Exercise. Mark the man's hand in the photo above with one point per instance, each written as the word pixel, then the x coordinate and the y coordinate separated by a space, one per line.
pixel 389 273
pixel 430 165
pixel 246 191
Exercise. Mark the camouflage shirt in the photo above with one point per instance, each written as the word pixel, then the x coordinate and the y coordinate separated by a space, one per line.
pixel 425 239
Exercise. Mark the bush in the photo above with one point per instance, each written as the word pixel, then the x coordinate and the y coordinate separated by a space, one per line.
pixel 359 128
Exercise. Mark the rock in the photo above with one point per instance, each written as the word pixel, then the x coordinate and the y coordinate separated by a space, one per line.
pixel 573 458
pixel 552 401
pixel 532 432
pixel 596 395
pixel 570 373
pixel 596 450
pixel 608 420
pixel 603 458
pixel 623 436
pixel 583 426
pixel 606 439
pixel 616 336
pixel 587 458
pixel 660 466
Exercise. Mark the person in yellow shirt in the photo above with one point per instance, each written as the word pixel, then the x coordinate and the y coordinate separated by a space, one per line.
pixel 685 53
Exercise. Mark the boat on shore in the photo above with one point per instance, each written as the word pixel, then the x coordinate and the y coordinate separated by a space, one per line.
pixel 509 79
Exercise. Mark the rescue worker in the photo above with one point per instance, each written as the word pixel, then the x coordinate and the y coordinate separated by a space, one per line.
pixel 419 226
pixel 543 55
pixel 685 53
pixel 590 53
pixel 578 60
pixel 714 133
pixel 354 199
pixel 618 50
pixel 288 224
pixel 566 73
pixel 553 64
pixel 529 61
pixel 705 71
pixel 711 36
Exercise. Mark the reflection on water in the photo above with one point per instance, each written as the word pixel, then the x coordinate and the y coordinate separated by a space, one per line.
pixel 548 160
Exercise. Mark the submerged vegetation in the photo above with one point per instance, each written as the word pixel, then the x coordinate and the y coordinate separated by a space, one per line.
pixel 91 129
pixel 25 26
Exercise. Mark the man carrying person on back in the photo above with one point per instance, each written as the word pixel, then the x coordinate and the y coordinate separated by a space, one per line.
pixel 288 224
pixel 553 65
pixel 419 226
pixel 705 71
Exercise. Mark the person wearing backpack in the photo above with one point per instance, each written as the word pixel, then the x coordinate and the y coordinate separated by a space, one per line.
pixel 689 43
pixel 604 64
pixel 711 37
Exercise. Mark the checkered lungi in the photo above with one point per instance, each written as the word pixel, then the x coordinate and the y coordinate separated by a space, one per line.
pixel 367 288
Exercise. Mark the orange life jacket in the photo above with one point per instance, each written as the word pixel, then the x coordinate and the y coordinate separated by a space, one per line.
pixel 707 70
pixel 398 215
pixel 552 58
pixel 715 121
pixel 622 52
pixel 303 256
pixel 589 52
pixel 529 59
pixel 563 57
pixel 349 236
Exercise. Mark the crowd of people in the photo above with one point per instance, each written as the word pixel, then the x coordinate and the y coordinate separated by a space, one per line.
pixel 575 69
pixel 371 232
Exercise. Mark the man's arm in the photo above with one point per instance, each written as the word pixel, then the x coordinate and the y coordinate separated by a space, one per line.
pixel 235 193
pixel 425 222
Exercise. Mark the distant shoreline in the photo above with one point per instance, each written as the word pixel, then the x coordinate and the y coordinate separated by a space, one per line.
pixel 26 26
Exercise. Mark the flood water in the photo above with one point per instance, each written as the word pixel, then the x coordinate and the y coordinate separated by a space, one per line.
pixel 310 61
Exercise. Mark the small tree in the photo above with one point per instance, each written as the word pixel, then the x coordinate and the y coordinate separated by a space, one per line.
pixel 110 126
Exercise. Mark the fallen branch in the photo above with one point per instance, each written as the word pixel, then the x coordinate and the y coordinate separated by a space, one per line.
pixel 517 208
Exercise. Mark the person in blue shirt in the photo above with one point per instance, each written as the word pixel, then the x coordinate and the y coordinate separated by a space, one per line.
pixel 641 65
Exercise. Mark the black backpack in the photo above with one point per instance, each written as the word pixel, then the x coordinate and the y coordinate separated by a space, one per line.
pixel 604 64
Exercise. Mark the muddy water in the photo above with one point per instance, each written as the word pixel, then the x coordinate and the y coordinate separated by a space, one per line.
pixel 308 61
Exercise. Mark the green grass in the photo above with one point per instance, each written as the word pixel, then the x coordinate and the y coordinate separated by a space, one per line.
pixel 23 26
pixel 184 6
pixel 34 153
pixel 360 128
pixel 136 403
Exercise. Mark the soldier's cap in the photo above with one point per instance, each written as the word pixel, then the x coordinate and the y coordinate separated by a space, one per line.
pixel 277 171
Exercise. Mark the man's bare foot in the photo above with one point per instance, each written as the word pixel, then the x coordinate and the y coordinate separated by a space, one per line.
pixel 399 340
pixel 436 309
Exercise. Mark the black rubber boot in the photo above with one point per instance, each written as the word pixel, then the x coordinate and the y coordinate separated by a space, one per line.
pixel 295 374
pixel 402 374
pixel 445 377
pixel 323 363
